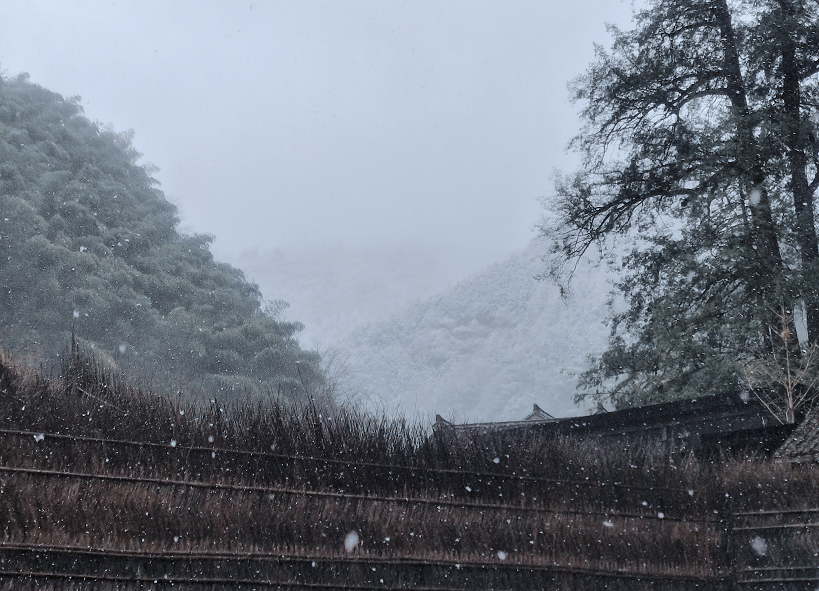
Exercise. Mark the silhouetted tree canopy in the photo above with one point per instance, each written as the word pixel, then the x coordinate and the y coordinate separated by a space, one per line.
pixel 88 242
pixel 699 178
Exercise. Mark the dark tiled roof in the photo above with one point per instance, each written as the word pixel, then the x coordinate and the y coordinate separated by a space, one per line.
pixel 734 411
pixel 731 420
pixel 537 416
pixel 803 444
pixel 730 411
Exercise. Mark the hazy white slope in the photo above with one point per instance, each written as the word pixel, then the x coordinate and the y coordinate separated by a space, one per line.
pixel 485 350
pixel 333 290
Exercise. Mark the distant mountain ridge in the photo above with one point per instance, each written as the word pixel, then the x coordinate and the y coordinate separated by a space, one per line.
pixel 333 289
pixel 487 349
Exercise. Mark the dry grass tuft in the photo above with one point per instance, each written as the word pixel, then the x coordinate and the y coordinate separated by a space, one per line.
pixel 164 476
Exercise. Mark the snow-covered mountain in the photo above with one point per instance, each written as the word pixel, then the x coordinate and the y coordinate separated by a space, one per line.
pixel 486 349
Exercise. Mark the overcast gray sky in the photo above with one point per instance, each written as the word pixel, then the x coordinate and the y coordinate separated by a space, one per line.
pixel 282 124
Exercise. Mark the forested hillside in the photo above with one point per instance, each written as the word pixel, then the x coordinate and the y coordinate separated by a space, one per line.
pixel 89 243
pixel 487 349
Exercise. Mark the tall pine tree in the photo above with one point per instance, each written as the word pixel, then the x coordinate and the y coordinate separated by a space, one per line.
pixel 700 160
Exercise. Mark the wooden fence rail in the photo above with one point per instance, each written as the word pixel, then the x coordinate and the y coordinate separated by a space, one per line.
pixel 277 490
pixel 346 463
pixel 38 563
pixel 780 555
pixel 764 549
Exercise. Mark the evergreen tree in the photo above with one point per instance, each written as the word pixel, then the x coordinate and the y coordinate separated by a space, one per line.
pixel 699 175
pixel 89 243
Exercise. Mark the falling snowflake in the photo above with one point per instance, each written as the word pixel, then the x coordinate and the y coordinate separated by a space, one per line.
pixel 754 197
pixel 351 541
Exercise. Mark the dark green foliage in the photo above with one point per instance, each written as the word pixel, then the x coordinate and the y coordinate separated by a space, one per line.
pixel 89 243
pixel 698 184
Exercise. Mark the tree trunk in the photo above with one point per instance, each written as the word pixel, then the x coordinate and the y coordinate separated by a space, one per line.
pixel 763 244
pixel 798 163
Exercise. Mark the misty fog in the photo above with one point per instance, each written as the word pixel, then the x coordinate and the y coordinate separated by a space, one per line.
pixel 358 160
